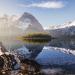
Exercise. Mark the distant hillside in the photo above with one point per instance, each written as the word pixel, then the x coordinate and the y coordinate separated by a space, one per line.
pixel 66 30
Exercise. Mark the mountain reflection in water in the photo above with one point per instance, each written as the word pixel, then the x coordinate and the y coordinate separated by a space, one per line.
pixel 68 43
pixel 54 57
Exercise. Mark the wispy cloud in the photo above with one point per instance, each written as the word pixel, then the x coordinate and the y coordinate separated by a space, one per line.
pixel 49 4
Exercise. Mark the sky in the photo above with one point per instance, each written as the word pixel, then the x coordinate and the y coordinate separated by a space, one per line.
pixel 47 12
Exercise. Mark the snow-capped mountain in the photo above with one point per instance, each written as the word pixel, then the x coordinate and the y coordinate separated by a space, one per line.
pixel 29 23
pixel 67 29
pixel 66 24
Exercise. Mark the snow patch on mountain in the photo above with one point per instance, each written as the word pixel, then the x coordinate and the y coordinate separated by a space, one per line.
pixel 66 24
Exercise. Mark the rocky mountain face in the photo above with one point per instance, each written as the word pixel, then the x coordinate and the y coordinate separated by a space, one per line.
pixel 29 23
pixel 67 29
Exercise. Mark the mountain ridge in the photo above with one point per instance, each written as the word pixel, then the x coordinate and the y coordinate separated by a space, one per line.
pixel 66 30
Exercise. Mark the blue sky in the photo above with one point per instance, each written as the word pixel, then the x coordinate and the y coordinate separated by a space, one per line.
pixel 48 12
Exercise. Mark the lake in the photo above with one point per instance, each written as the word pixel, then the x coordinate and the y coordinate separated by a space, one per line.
pixel 56 57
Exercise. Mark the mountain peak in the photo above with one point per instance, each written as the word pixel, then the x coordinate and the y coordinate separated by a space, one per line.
pixel 27 15
pixel 30 23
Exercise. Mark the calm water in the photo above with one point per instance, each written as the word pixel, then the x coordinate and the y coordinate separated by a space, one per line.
pixel 63 43
pixel 56 57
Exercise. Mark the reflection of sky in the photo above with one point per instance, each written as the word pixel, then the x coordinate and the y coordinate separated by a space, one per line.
pixel 64 12
pixel 52 56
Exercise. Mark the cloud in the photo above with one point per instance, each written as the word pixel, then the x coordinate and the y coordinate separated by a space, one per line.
pixel 49 4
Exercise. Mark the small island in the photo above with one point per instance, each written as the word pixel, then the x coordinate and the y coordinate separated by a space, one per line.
pixel 36 37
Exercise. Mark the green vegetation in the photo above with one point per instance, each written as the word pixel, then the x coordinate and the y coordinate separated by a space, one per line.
pixel 36 37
